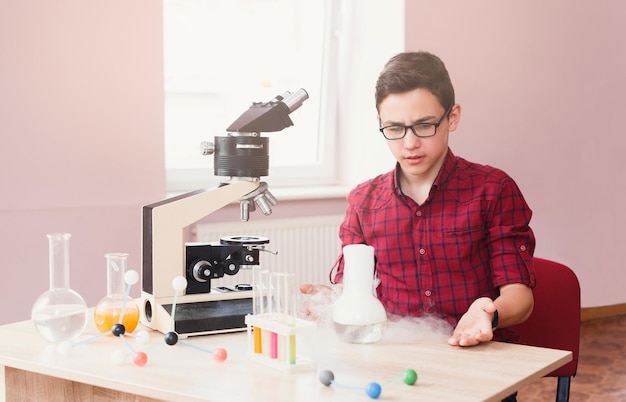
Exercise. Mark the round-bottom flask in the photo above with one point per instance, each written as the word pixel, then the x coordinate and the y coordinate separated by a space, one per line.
pixel 60 313
pixel 358 316
pixel 109 308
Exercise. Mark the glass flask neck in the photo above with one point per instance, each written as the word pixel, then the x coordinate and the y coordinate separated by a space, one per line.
pixel 358 274
pixel 59 260
pixel 116 269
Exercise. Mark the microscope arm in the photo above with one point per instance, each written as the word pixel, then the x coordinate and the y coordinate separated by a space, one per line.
pixel 163 232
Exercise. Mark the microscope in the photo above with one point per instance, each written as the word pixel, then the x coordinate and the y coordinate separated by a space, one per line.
pixel 241 156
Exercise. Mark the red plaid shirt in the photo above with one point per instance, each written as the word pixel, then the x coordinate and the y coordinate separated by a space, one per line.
pixel 469 237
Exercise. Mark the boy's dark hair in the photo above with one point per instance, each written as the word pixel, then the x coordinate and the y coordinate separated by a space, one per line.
pixel 411 70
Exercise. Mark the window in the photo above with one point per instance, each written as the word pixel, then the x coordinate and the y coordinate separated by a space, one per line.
pixel 222 55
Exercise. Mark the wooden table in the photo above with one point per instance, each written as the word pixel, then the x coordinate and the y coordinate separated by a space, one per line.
pixel 33 369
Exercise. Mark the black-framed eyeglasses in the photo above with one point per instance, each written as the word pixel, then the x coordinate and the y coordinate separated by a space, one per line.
pixel 421 130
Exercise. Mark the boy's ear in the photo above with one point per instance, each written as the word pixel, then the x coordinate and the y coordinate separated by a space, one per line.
pixel 454 117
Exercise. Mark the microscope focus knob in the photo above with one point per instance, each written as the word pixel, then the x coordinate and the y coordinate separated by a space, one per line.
pixel 207 148
pixel 201 271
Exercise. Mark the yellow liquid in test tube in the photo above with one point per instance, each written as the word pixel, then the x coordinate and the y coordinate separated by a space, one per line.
pixel 260 306
pixel 292 349
pixel 258 340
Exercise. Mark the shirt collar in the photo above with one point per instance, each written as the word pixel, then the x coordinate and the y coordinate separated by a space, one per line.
pixel 396 181
pixel 444 173
pixel 446 170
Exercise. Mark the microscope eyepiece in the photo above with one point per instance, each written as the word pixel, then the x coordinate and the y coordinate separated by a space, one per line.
pixel 269 116
pixel 295 100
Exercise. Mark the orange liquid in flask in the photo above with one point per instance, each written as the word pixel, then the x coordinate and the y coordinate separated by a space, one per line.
pixel 106 318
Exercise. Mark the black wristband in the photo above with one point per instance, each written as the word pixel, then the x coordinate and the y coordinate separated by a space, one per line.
pixel 494 322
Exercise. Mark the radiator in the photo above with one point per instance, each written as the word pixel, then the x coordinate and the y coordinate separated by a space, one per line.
pixel 306 246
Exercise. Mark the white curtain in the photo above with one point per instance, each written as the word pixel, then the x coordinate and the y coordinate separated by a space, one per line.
pixel 368 33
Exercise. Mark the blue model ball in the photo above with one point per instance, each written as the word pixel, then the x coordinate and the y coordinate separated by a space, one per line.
pixel 373 390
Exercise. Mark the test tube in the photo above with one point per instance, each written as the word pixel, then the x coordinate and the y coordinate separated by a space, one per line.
pixel 260 300
pixel 283 305
pixel 283 310
pixel 273 345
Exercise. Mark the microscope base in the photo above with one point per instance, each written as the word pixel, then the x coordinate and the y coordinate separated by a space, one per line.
pixel 198 318
pixel 211 316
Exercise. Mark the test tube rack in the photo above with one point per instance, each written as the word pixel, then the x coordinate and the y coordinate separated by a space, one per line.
pixel 279 344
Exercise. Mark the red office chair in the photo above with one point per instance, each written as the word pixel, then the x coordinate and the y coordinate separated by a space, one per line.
pixel 555 321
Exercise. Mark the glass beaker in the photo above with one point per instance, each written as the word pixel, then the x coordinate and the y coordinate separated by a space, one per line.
pixel 59 314
pixel 358 316
pixel 109 308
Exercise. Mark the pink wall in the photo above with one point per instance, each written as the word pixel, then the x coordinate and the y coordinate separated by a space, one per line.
pixel 542 88
pixel 81 118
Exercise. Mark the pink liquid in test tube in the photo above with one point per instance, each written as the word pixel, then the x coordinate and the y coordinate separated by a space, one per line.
pixel 273 345
pixel 283 310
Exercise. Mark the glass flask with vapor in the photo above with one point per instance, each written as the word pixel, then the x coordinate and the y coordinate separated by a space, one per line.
pixel 358 316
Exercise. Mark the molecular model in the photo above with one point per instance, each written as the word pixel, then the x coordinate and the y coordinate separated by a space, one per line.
pixel 140 358
pixel 373 389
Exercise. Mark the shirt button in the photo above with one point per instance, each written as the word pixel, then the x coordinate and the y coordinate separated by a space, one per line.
pixel 422 251
pixel 418 213
pixel 523 248
pixel 428 293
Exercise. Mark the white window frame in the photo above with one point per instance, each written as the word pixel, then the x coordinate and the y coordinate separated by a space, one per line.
pixel 320 172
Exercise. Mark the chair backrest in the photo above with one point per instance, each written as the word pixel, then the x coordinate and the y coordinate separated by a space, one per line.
pixel 555 320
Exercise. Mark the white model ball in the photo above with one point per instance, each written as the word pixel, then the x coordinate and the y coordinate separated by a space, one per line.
pixel 179 283
pixel 131 277
pixel 65 348
pixel 118 357
pixel 142 337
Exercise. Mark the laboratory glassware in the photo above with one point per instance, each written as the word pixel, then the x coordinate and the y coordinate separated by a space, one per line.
pixel 60 313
